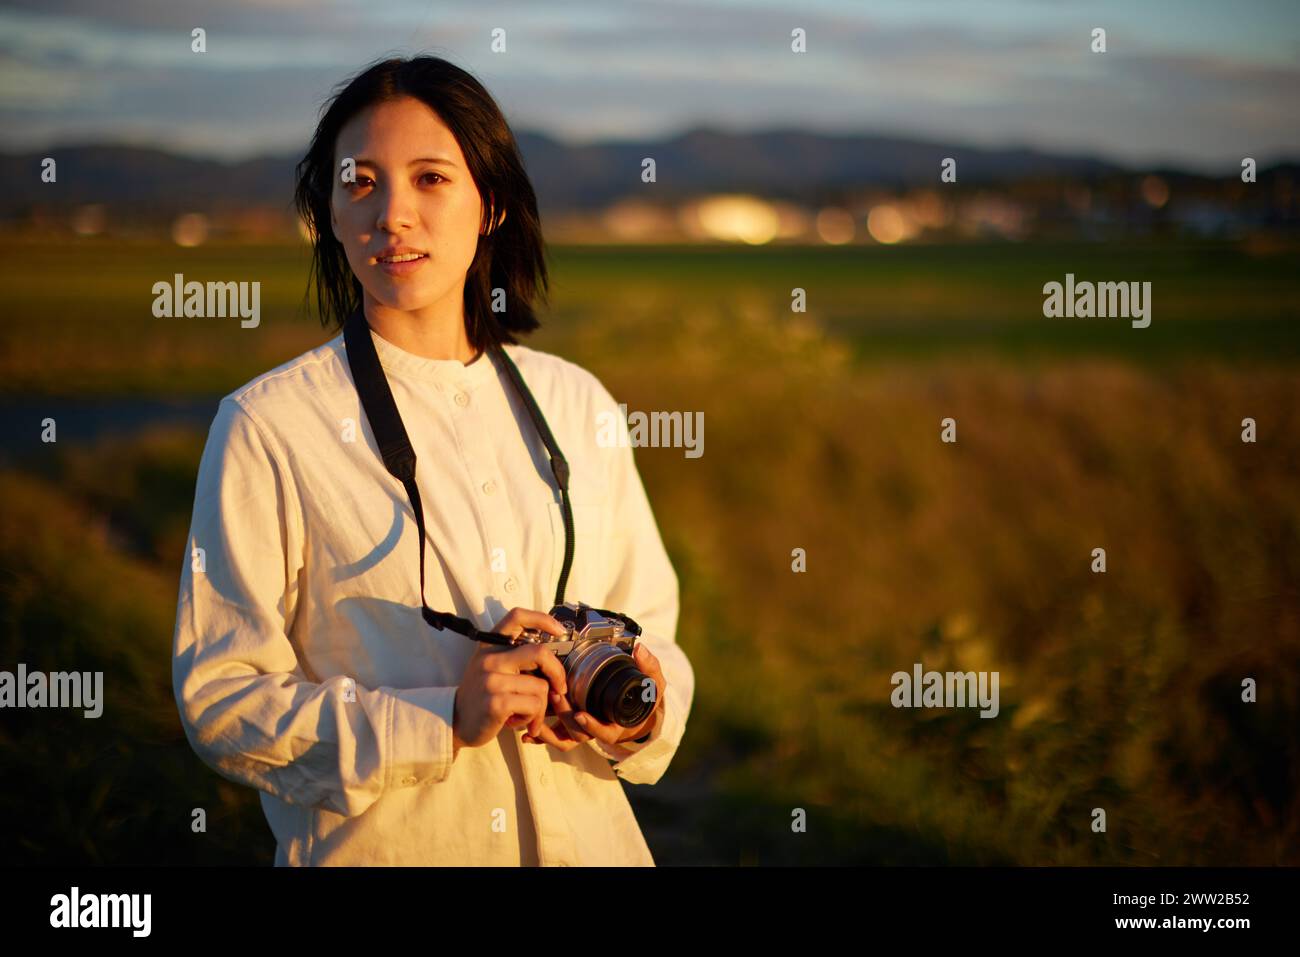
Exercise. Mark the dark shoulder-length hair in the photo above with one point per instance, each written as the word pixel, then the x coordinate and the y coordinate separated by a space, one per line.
pixel 510 257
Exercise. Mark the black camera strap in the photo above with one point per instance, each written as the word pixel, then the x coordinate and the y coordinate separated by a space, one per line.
pixel 399 457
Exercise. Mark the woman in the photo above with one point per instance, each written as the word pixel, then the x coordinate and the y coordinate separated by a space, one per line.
pixel 302 664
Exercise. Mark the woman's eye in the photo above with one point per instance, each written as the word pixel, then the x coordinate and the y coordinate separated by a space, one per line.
pixel 356 183
pixel 439 175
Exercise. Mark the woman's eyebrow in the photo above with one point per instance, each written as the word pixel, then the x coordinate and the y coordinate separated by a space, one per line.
pixel 366 161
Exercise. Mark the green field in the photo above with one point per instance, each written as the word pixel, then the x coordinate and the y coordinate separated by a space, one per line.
pixel 87 328
pixel 1119 691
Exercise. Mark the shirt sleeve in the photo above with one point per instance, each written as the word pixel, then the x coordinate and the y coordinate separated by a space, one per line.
pixel 644 586
pixel 246 703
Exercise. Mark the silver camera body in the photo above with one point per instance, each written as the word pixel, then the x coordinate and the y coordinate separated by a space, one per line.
pixel 596 652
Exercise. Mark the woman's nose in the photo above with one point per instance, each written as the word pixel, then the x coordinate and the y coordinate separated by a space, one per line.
pixel 396 211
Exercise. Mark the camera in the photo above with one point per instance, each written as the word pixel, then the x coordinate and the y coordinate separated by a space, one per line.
pixel 596 652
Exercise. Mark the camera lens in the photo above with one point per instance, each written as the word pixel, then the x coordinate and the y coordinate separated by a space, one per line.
pixel 616 694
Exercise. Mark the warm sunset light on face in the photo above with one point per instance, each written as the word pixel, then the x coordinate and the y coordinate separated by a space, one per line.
pixel 404 199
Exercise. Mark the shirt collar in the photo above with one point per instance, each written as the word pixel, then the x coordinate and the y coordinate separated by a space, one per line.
pixel 449 371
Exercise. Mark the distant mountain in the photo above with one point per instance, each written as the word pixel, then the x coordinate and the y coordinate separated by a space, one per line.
pixel 140 177
pixel 788 164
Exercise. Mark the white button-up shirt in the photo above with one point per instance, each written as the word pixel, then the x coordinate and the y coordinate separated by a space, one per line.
pixel 302 666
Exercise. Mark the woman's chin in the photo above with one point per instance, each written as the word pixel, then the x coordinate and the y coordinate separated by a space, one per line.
pixel 404 296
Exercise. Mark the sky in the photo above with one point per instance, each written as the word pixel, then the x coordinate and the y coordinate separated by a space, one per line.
pixel 1195 83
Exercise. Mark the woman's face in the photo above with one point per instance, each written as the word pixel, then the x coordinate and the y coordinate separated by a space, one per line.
pixel 413 190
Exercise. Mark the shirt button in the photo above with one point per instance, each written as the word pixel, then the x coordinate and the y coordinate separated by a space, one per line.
pixel 408 780
pixel 541 777
pixel 462 398
pixel 489 487
pixel 511 584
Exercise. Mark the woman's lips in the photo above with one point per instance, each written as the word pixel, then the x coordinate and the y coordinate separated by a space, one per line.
pixel 402 268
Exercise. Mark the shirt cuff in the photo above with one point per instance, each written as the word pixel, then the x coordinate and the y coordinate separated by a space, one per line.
pixel 420 736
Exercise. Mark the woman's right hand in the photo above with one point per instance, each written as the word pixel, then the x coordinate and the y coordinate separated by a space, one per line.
pixel 493 691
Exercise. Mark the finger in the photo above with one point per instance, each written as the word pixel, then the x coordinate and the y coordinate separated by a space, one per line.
pixel 520 618
pixel 561 731
pixel 565 711
pixel 522 720
pixel 535 690
pixel 605 733
pixel 537 723
pixel 507 705
pixel 573 729
pixel 544 659
pixel 647 662
pixel 558 730
pixel 548 736
pixel 566 714
pixel 529 657
pixel 649 666
pixel 530 685
pixel 560 703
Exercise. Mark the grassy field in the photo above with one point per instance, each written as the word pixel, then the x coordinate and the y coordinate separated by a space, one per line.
pixel 91 331
pixel 1119 691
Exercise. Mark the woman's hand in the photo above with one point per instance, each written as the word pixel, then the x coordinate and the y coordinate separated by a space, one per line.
pixel 495 693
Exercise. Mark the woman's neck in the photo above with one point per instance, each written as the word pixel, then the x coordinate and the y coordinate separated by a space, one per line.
pixel 434 332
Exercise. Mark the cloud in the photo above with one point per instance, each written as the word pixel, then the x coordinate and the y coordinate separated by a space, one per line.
pixel 1007 71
